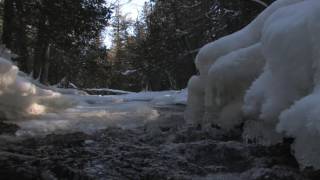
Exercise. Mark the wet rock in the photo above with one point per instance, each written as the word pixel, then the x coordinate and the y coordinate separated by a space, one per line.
pixel 6 128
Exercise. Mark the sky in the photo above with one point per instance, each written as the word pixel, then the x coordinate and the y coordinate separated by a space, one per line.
pixel 132 9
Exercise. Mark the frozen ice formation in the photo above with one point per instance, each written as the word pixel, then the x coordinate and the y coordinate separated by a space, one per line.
pixel 267 73
pixel 18 96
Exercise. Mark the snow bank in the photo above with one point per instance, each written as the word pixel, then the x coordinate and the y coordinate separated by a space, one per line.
pixel 89 118
pixel 269 73
pixel 21 98
pixel 92 113
pixel 159 98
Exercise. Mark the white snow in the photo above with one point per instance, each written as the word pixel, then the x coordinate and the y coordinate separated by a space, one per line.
pixel 261 3
pixel 91 113
pixel 128 72
pixel 228 66
pixel 115 91
pixel 268 73
pixel 89 118
pixel 18 96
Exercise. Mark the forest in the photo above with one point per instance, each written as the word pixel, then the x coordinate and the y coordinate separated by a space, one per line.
pixel 62 41
pixel 159 89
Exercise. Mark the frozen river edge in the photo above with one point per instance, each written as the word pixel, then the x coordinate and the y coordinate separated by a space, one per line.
pixel 166 151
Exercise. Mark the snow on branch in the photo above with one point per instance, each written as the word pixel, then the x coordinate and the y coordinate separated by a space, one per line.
pixel 260 2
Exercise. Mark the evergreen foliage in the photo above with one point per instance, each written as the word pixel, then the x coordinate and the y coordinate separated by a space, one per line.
pixel 53 37
pixel 168 35
pixel 61 39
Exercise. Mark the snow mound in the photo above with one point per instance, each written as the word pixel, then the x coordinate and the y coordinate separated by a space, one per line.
pixel 21 98
pixel 268 72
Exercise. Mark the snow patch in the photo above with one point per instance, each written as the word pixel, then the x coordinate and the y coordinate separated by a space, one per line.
pixel 92 113
pixel 89 118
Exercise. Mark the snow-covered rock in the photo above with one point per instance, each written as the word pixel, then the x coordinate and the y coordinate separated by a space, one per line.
pixel 267 72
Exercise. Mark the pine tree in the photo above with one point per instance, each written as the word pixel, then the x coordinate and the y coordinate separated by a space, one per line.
pixel 36 29
pixel 175 30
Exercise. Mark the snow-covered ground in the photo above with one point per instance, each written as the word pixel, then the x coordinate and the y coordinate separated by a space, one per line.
pixel 91 113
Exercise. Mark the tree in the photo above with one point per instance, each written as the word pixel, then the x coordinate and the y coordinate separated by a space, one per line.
pixel 174 32
pixel 35 29
pixel 119 55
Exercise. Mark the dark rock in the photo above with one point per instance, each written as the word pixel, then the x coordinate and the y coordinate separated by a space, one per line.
pixel 6 128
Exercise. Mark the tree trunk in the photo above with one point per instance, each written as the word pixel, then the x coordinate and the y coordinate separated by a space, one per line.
pixel 40 50
pixel 22 50
pixel 8 23
pixel 45 66
pixel 39 56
